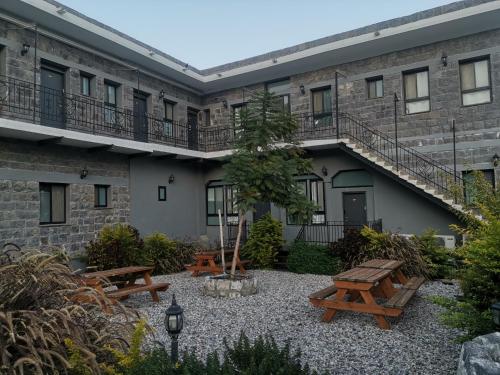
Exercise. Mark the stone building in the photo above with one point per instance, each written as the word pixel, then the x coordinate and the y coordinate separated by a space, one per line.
pixel 98 128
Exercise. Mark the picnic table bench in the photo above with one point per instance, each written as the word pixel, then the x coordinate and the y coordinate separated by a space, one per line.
pixel 124 290
pixel 205 262
pixel 358 288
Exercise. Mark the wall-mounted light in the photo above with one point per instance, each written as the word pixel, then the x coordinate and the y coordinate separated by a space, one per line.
pixel 224 103
pixel 171 179
pixel 161 95
pixel 25 49
pixel 324 170
pixel 302 89
pixel 496 160
pixel 84 173
pixel 444 59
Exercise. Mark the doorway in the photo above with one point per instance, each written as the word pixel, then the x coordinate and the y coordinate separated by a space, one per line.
pixel 192 121
pixel 140 117
pixel 354 205
pixel 52 97
pixel 261 209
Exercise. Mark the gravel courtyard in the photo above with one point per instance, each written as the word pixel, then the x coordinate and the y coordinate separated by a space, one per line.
pixel 351 344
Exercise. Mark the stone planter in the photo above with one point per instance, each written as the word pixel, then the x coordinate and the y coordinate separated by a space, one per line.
pixel 240 286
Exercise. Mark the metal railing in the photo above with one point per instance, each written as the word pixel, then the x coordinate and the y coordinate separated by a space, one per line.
pixel 332 231
pixel 22 100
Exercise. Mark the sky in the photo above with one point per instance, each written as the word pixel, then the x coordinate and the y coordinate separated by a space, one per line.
pixel 207 33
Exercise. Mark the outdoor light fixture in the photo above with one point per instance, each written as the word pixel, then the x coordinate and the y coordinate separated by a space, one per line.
pixel 444 59
pixel 495 311
pixel 224 103
pixel 396 99
pixel 25 49
pixel 162 94
pixel 84 173
pixel 171 179
pixel 174 321
pixel 324 171
pixel 495 160
pixel 302 89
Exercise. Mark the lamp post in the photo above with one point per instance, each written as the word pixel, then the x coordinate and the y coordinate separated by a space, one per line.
pixel 174 321
pixel 495 311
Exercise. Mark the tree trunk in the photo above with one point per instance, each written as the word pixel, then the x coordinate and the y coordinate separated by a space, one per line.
pixel 237 244
pixel 221 233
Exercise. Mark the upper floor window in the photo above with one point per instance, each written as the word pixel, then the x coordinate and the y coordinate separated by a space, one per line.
pixel 313 188
pixel 282 91
pixel 322 106
pixel 375 87
pixel 237 113
pixel 168 108
pixel 85 81
pixel 416 89
pixel 110 100
pixel 475 81
pixel 52 203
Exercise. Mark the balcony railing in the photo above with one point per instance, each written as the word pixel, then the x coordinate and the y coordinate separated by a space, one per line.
pixel 22 100
pixel 332 231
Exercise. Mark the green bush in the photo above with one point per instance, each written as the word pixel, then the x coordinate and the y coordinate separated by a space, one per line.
pixel 440 263
pixel 310 258
pixel 117 246
pixel 262 357
pixel 167 256
pixel 264 242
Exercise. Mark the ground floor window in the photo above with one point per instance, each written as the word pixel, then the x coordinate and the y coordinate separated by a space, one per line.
pixel 52 203
pixel 469 189
pixel 101 196
pixel 221 196
pixel 312 187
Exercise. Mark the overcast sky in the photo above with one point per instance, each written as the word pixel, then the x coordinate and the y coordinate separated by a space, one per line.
pixel 206 33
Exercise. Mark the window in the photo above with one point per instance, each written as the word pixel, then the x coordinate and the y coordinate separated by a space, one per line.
pixel 168 125
pixel 208 121
pixel 101 196
pixel 355 178
pixel 221 196
pixel 468 177
pixel 312 187
pixel 375 87
pixel 322 107
pixel 162 193
pixel 282 91
pixel 110 103
pixel 475 81
pixel 237 113
pixel 416 89
pixel 85 84
pixel 52 203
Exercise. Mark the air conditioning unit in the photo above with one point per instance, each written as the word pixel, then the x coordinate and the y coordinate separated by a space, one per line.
pixel 447 241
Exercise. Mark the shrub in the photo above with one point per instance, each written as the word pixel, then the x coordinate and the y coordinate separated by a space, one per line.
pixel 117 246
pixel 167 256
pixel 263 356
pixel 264 241
pixel 48 323
pixel 350 247
pixel 438 259
pixel 311 258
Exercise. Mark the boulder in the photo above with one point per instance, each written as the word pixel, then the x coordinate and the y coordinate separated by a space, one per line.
pixel 480 356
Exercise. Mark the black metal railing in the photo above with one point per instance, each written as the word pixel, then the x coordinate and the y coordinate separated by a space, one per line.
pixel 232 234
pixel 332 231
pixel 23 100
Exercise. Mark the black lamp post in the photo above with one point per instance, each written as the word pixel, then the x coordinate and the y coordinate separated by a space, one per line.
pixel 495 311
pixel 174 321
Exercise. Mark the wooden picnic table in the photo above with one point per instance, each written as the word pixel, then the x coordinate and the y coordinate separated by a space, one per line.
pixel 358 288
pixel 124 290
pixel 205 262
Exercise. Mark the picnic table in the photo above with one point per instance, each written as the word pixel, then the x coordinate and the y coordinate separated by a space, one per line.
pixel 205 262
pixel 358 288
pixel 125 289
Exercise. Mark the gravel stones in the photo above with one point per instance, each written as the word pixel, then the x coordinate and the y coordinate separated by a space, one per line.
pixel 351 344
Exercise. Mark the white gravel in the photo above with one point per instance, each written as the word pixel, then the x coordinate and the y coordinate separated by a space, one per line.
pixel 351 344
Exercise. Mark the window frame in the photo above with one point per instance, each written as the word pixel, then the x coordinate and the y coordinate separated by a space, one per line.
pixel 96 196
pixel 226 188
pixel 320 116
pixel 86 76
pixel 240 106
pixel 51 221
pixel 417 99
pixel 162 189
pixel 168 123
pixel 473 60
pixel 110 107
pixel 374 80
pixel 308 179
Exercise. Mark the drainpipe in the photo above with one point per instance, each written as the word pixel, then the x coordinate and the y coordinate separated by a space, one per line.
pixel 34 73
pixel 337 103
pixel 396 100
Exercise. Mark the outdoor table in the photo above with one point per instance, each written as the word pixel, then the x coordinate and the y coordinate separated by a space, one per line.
pixel 362 285
pixel 205 262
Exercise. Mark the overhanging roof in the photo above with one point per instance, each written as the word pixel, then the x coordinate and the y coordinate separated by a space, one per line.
pixel 437 24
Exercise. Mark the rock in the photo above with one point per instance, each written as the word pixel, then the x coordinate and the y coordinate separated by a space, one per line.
pixel 480 356
pixel 220 287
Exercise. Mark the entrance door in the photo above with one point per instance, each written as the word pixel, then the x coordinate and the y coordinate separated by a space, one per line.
pixel 52 97
pixel 192 120
pixel 354 209
pixel 261 209
pixel 140 117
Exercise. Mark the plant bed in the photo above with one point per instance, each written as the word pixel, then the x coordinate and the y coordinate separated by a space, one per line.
pixel 225 286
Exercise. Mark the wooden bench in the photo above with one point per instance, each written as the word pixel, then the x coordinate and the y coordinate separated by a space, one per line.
pixel 137 288
pixel 404 294
pixel 324 293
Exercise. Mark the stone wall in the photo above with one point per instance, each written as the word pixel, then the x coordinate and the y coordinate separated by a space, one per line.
pixel 23 166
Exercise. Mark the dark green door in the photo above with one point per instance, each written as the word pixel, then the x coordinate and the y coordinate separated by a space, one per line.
pixel 354 209
pixel 52 97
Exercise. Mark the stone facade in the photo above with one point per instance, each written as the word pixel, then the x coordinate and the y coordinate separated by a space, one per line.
pixel 28 165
